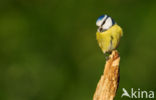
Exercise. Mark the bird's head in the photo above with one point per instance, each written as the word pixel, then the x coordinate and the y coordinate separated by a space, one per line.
pixel 104 22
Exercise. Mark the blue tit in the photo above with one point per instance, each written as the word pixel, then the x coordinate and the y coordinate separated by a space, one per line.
pixel 108 33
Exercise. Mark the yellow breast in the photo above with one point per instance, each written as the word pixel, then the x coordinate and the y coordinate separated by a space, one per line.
pixel 109 40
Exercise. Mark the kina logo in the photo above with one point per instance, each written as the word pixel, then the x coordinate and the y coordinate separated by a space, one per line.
pixel 137 93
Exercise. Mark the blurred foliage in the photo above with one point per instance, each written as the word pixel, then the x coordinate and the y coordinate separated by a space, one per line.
pixel 49 50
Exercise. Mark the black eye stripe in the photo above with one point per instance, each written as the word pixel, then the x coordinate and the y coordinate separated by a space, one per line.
pixel 104 20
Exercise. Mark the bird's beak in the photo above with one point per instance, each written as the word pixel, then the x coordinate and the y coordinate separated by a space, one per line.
pixel 100 29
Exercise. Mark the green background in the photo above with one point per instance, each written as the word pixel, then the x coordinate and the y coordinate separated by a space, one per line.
pixel 48 48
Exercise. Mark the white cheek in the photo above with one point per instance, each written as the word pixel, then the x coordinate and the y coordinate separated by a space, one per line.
pixel 98 23
pixel 107 24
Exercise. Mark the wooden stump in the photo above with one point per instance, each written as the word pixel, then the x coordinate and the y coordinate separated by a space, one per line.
pixel 108 84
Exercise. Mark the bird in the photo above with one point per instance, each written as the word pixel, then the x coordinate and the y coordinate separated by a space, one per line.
pixel 108 33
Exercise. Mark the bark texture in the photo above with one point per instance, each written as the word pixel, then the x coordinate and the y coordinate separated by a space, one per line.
pixel 108 84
